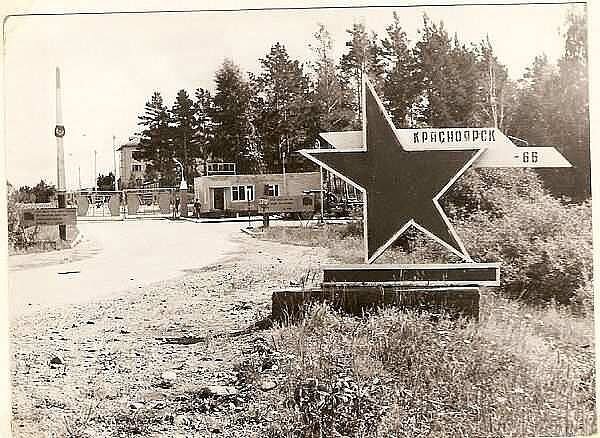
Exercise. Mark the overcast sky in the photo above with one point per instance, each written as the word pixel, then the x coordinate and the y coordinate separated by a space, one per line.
pixel 111 64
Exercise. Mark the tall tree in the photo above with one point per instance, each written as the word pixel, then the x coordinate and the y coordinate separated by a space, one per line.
pixel 156 147
pixel 331 99
pixel 284 109
pixel 184 125
pixel 234 137
pixel 203 105
pixel 553 109
pixel 531 119
pixel 572 107
pixel 363 57
pixel 400 86
pixel 448 72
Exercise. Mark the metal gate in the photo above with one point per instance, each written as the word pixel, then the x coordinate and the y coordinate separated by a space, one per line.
pixel 123 204
pixel 155 202
pixel 98 204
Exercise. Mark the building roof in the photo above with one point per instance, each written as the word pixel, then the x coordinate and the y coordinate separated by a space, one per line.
pixel 129 144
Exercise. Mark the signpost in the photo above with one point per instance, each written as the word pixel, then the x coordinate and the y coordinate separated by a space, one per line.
pixel 287 204
pixel 402 175
pixel 49 216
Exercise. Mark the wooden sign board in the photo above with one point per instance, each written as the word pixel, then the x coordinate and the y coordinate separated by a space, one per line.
pixel 49 216
pixel 286 204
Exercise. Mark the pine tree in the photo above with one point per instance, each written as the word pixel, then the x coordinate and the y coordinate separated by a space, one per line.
pixel 231 112
pixel 184 134
pixel 447 71
pixel 552 108
pixel 331 100
pixel 285 107
pixel 364 56
pixel 203 107
pixel 531 119
pixel 156 147
pixel 400 86
pixel 572 134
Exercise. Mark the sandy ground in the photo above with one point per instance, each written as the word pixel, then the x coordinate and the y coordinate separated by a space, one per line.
pixel 113 257
pixel 112 352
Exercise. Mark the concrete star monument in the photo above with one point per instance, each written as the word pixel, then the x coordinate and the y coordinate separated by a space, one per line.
pixel 402 187
pixel 402 174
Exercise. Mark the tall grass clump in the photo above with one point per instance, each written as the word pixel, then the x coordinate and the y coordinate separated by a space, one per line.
pixel 401 374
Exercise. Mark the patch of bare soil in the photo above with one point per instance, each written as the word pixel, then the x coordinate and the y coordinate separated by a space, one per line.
pixel 164 360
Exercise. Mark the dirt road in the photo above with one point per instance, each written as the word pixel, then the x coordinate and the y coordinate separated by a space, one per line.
pixel 94 369
pixel 113 257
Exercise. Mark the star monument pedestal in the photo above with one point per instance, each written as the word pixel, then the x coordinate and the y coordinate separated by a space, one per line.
pixel 402 175
pixel 452 289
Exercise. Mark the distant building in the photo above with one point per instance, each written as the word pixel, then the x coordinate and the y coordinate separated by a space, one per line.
pixel 131 171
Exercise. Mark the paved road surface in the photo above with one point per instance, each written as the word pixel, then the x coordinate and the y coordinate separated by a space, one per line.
pixel 115 256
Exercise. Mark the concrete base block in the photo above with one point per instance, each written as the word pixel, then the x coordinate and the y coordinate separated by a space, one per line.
pixel 455 301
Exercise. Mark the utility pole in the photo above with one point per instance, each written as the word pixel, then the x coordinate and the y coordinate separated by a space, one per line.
pixel 59 132
pixel 95 181
pixel 322 220
pixel 284 179
pixel 114 163
pixel 79 171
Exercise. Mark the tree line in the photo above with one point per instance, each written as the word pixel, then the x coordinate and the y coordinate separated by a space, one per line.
pixel 259 119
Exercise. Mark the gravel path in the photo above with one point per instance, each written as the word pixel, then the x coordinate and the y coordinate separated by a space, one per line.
pixel 108 376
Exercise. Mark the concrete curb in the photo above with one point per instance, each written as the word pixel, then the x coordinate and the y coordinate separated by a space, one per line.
pixel 223 220
pixel 250 232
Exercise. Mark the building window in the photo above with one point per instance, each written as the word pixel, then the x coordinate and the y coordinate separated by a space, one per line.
pixel 136 167
pixel 272 189
pixel 220 168
pixel 242 193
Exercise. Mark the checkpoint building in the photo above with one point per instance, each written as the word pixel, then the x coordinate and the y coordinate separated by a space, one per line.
pixel 222 191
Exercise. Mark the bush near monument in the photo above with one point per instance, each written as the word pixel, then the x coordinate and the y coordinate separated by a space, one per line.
pixel 544 245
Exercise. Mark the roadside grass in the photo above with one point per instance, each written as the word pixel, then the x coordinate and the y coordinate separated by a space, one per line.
pixel 522 370
pixel 401 374
pixel 345 244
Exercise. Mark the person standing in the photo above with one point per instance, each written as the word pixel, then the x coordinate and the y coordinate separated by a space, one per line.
pixel 176 209
pixel 197 208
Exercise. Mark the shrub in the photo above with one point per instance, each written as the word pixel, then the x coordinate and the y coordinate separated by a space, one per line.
pixel 12 215
pixel 544 246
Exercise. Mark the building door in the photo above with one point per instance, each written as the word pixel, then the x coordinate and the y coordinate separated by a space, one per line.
pixel 219 199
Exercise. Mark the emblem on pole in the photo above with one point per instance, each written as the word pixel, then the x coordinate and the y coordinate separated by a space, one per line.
pixel 59 131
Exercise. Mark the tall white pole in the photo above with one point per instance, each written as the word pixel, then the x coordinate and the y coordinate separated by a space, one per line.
pixel 59 132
